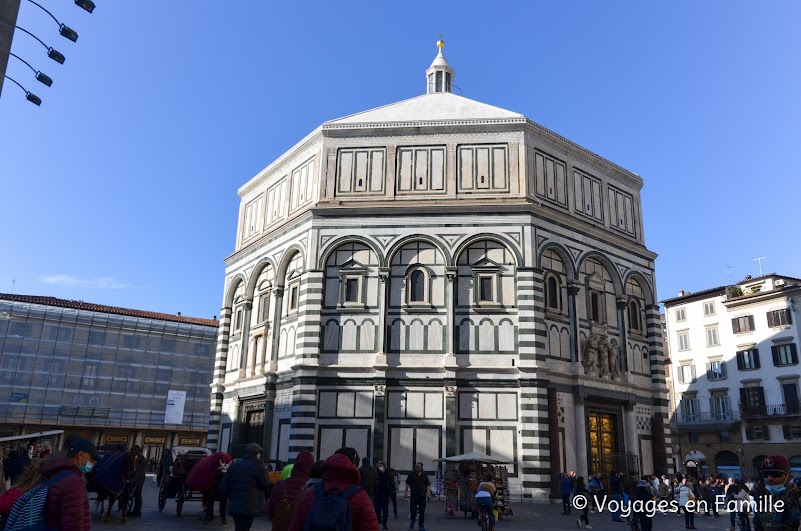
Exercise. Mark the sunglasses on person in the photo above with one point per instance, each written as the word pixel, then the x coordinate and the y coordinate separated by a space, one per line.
pixel 773 474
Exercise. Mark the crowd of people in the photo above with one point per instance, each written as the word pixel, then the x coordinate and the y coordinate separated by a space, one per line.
pixel 313 494
pixel 750 503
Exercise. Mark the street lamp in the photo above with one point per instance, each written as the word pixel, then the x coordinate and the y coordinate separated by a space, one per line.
pixel 86 5
pixel 30 96
pixel 52 53
pixel 42 78
pixel 63 29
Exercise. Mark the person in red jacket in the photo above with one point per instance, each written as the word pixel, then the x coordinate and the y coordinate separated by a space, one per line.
pixel 67 505
pixel 339 473
pixel 285 491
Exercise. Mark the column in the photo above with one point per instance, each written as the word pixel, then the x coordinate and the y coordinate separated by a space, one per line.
pixel 620 304
pixel 263 347
pixel 248 306
pixel 630 428
pixel 450 304
pixel 218 382
pixel 572 314
pixel 553 443
pixel 451 415
pixel 278 303
pixel 514 169
pixel 254 350
pixel 581 436
pixel 451 184
pixel 659 448
pixel 379 420
pixel 269 413
pixel 331 174
pixel 383 286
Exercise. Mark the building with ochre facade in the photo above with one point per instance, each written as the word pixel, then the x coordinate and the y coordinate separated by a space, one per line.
pixel 439 276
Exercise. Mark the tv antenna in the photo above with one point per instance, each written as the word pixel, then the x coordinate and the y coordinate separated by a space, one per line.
pixel 728 271
pixel 760 263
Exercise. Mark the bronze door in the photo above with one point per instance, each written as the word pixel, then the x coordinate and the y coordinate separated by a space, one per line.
pixel 602 429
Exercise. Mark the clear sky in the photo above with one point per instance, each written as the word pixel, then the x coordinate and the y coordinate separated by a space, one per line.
pixel 121 188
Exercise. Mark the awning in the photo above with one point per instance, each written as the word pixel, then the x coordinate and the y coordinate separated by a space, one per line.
pixel 37 435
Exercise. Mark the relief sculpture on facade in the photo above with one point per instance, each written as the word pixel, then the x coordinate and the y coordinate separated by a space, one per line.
pixel 601 357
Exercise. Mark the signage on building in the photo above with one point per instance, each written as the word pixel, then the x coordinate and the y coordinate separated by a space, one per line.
pixel 155 440
pixel 19 397
pixel 67 411
pixel 116 439
pixel 189 441
pixel 174 413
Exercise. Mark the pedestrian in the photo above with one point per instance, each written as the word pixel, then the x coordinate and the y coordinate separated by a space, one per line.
pixel 137 461
pixel 743 498
pixel 242 484
pixel 779 507
pixel 285 492
pixel 419 486
pixel 393 493
pixel 581 490
pixel 565 483
pixel 687 501
pixel 315 475
pixel 385 484
pixel 644 494
pixel 616 487
pixel 67 505
pixel 369 477
pixel 340 475
pixel 31 477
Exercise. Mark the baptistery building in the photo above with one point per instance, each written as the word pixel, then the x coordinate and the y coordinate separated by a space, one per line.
pixel 440 276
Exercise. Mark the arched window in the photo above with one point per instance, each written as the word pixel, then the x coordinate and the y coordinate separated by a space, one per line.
pixel 417 286
pixel 634 316
pixel 553 297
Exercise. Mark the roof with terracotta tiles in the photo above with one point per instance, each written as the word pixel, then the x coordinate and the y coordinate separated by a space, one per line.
pixel 88 306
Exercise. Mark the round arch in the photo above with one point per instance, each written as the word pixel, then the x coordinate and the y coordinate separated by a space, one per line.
pixel 336 244
pixel 613 273
pixel 261 265
pixel 286 258
pixel 397 246
pixel 727 458
pixel 567 260
pixel 492 237
pixel 647 288
pixel 233 285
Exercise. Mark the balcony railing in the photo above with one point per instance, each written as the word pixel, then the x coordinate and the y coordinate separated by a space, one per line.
pixel 770 410
pixel 706 416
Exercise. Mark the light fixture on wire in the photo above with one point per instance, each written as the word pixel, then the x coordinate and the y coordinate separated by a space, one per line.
pixel 52 53
pixel 63 29
pixel 30 96
pixel 40 77
pixel 86 5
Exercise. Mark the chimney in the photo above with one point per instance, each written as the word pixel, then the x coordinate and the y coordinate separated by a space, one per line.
pixel 179 314
pixel 681 293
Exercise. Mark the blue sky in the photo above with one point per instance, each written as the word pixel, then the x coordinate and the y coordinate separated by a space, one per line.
pixel 121 188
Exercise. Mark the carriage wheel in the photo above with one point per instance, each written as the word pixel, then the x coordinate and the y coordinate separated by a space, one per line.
pixel 179 499
pixel 162 499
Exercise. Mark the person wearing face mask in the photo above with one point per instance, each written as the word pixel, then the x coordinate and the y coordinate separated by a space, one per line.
pixel 385 483
pixel 777 485
pixel 67 504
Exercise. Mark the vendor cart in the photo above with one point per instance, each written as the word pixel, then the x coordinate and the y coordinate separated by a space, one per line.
pixel 461 483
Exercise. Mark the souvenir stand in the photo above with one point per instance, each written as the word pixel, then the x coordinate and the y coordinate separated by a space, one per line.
pixel 464 473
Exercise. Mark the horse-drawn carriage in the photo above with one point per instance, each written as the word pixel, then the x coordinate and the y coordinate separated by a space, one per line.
pixel 172 474
pixel 113 479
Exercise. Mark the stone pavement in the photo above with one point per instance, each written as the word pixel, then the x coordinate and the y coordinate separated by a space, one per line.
pixel 526 516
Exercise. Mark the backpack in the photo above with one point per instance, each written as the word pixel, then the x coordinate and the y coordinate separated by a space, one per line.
pixel 28 512
pixel 284 510
pixel 330 510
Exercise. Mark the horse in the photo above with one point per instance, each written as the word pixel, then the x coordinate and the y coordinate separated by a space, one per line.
pixel 115 481
pixel 212 494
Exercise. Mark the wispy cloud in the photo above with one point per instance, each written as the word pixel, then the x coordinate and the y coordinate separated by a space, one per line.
pixel 97 283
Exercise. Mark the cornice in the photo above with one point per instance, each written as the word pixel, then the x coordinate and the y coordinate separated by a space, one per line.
pixel 423 123
pixel 395 138
pixel 280 165
pixel 595 161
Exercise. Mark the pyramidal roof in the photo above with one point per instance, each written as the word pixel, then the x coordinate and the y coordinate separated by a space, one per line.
pixel 434 107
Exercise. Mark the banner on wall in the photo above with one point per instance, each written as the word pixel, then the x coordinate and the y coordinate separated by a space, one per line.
pixel 174 413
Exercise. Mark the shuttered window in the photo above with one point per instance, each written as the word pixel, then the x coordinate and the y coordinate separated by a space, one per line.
pixel 742 324
pixel 779 318
pixel 784 355
pixel 748 360
pixel 716 370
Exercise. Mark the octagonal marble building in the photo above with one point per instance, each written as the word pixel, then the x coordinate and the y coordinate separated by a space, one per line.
pixel 439 276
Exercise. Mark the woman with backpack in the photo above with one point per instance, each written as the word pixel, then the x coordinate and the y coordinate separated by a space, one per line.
pixel 31 477
pixel 338 498
pixel 284 493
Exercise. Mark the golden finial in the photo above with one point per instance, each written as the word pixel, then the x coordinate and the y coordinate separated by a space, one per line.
pixel 440 43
